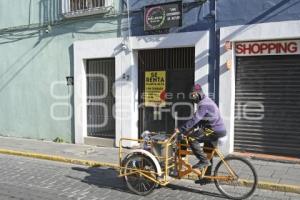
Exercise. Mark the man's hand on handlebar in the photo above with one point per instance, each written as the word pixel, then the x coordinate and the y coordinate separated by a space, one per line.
pixel 180 136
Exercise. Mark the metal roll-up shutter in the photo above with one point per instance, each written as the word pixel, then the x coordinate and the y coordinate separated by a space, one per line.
pixel 267 105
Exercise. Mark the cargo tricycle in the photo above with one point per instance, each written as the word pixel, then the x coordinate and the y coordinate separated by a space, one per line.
pixel 162 159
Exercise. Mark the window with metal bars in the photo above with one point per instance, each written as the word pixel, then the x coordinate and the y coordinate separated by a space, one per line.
pixel 76 5
pixel 78 8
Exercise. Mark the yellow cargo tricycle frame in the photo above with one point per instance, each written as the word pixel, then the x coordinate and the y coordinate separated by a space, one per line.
pixel 178 162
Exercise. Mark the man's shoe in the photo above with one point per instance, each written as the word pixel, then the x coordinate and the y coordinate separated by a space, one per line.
pixel 203 181
pixel 202 165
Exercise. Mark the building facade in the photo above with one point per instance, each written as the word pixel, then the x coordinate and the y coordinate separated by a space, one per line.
pixel 37 55
pixel 93 71
pixel 177 54
pixel 259 95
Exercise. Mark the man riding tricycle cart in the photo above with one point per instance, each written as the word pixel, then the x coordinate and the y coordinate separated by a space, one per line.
pixel 163 158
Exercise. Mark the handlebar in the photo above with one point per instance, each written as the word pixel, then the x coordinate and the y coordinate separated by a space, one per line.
pixel 173 135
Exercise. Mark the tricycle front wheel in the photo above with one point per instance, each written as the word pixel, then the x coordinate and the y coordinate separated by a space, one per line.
pixel 243 184
pixel 138 168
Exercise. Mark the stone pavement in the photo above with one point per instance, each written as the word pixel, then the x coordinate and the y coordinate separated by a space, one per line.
pixel 33 179
pixel 274 172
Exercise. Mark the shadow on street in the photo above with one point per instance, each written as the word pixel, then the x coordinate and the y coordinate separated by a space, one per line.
pixel 108 178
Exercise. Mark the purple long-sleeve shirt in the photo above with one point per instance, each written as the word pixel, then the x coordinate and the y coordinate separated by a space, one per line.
pixel 207 111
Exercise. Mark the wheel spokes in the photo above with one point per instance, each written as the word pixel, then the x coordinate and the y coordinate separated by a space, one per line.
pixel 143 171
pixel 240 186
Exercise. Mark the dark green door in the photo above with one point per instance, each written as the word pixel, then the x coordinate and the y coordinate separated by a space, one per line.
pixel 100 98
pixel 179 65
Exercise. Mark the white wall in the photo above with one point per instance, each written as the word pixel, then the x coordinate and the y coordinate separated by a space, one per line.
pixel 266 31
pixel 125 52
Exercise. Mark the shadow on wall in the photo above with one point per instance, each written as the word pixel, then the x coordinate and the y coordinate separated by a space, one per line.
pixel 261 18
pixel 15 68
pixel 200 22
pixel 35 38
pixel 265 11
pixel 51 23
pixel 49 11
pixel 190 22
pixel 32 40
pixel 195 19
pixel 268 15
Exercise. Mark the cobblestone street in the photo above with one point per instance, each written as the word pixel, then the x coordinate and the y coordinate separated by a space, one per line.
pixel 32 179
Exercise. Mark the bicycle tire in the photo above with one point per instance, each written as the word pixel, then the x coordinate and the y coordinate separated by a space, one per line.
pixel 252 185
pixel 143 191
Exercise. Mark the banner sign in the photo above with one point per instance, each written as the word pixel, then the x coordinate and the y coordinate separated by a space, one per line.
pixel 262 48
pixel 162 16
pixel 155 88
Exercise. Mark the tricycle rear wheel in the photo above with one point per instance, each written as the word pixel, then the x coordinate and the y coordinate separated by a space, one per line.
pixel 135 169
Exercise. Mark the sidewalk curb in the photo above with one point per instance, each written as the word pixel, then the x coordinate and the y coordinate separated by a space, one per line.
pixel 90 163
pixel 267 157
pixel 267 186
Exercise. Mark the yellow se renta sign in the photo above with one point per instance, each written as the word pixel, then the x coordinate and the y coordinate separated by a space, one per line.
pixel 155 88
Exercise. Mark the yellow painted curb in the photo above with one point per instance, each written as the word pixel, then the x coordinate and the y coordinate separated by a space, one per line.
pixel 267 186
pixel 279 187
pixel 90 163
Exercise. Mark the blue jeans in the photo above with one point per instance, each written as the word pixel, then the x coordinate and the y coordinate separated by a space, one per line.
pixel 198 137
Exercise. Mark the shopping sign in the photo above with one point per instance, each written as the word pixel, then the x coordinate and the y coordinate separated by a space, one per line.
pixel 162 16
pixel 155 88
pixel 261 48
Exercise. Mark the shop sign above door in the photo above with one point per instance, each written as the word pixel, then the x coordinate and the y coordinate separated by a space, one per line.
pixel 163 16
pixel 155 88
pixel 262 48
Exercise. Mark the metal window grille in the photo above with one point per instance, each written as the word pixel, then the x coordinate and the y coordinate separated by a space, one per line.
pixel 79 8
pixel 76 5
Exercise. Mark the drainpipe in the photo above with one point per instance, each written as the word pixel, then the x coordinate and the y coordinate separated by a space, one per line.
pixel 214 54
pixel 217 57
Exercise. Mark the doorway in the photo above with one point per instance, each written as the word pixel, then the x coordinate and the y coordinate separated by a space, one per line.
pixel 178 66
pixel 100 97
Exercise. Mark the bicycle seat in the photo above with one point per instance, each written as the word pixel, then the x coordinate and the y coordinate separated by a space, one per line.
pixel 220 142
